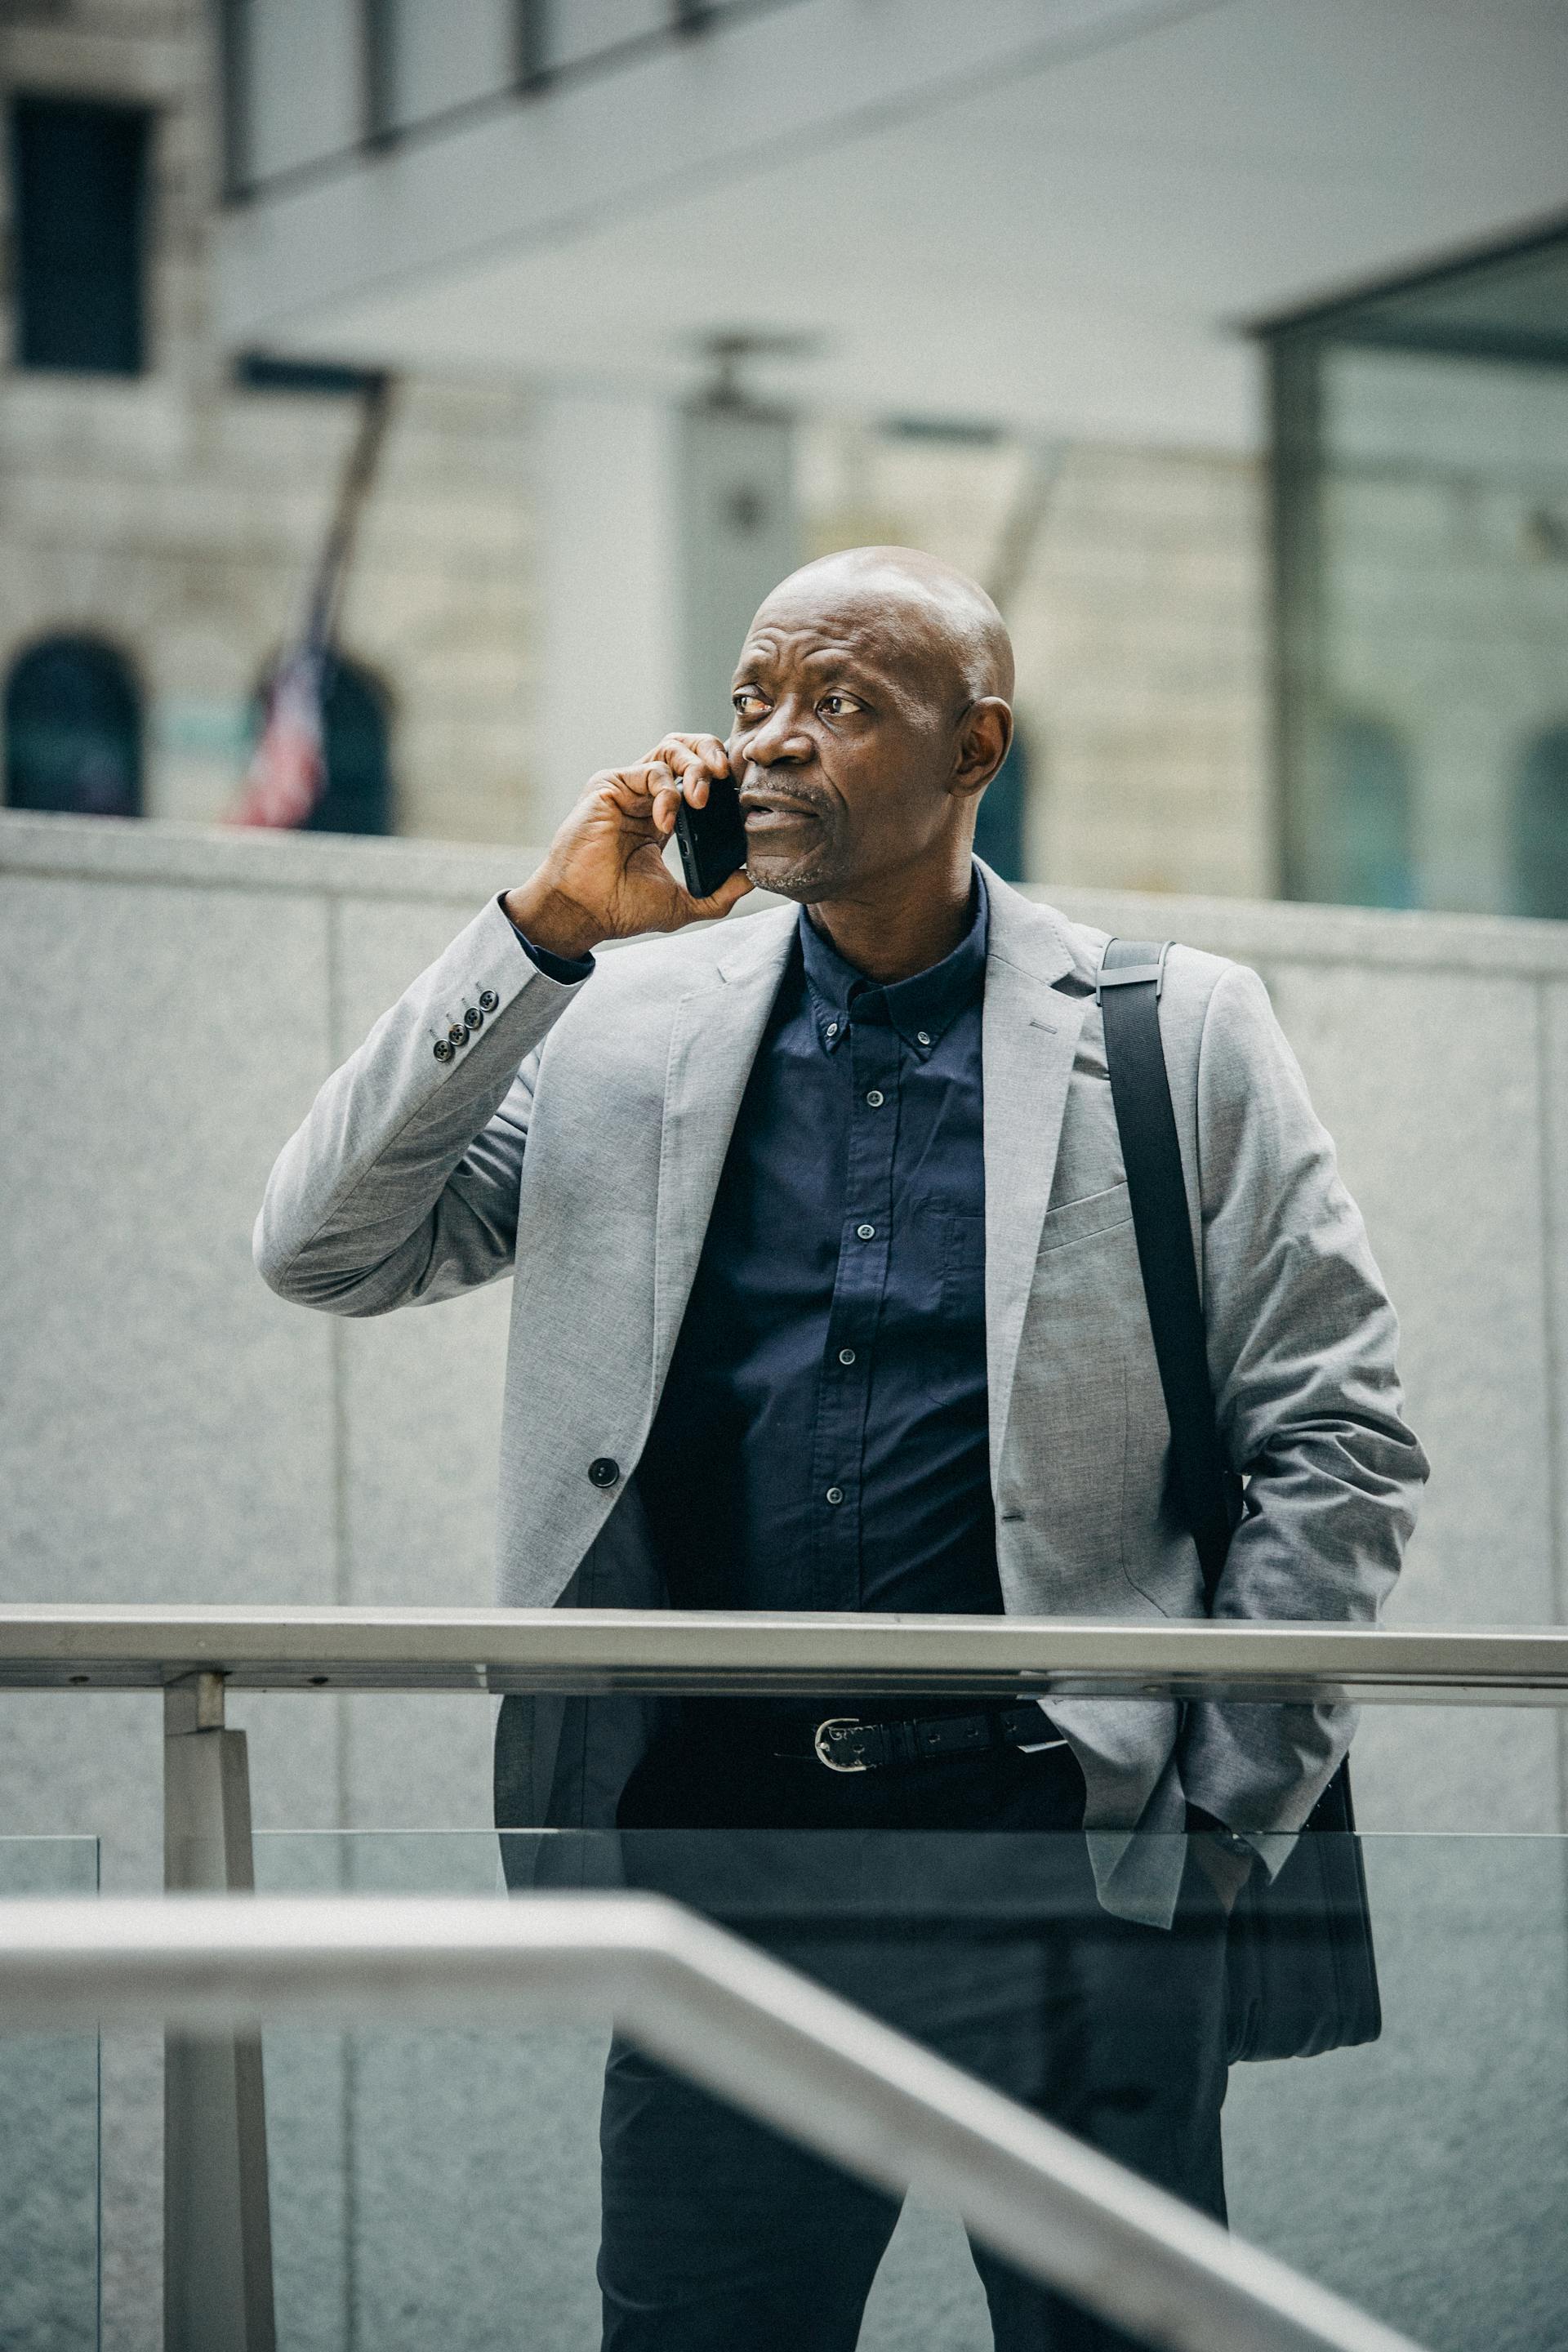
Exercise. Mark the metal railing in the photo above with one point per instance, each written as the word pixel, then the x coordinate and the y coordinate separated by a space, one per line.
pixel 217 2258
pixel 57 1646
pixel 745 2027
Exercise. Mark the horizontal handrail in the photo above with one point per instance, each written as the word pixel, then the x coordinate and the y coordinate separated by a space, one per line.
pixel 80 1645
pixel 739 2022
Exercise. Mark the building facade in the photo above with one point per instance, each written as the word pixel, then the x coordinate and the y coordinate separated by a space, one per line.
pixel 160 514
pixel 159 518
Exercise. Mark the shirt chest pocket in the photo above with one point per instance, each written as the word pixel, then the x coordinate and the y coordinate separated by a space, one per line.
pixel 960 1257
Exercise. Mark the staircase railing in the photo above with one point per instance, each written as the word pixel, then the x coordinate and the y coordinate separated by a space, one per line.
pixel 218 2257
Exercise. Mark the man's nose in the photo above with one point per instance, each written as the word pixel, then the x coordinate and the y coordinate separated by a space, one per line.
pixel 779 736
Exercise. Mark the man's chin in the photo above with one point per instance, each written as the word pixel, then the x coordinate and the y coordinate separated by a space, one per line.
pixel 800 879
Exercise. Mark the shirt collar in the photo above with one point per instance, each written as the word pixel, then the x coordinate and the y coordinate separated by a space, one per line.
pixel 920 1008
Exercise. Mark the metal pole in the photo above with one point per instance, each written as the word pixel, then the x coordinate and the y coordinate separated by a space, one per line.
pixel 217 2226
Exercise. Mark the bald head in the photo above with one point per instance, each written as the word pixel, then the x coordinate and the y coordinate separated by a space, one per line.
pixel 921 607
pixel 871 706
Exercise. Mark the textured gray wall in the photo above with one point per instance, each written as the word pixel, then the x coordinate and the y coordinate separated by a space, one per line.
pixel 172 1432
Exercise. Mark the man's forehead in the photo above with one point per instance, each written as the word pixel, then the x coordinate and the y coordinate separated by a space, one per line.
pixel 826 639
pixel 880 627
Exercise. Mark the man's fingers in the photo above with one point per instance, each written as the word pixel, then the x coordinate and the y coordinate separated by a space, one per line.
pixel 695 761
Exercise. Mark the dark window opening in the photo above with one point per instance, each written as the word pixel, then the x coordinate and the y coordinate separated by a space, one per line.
pixel 1541 828
pixel 79 206
pixel 999 828
pixel 73 730
pixel 356 729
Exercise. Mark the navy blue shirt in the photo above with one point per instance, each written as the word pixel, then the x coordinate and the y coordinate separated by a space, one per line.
pixel 822 1438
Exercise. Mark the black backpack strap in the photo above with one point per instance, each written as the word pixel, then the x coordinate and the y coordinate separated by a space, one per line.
pixel 1132 980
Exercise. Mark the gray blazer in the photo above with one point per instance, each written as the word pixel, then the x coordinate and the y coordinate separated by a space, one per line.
pixel 577 1141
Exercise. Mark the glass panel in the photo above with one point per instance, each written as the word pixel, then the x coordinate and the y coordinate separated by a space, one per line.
pixel 590 28
pixel 1445 600
pixel 424 2181
pixel 448 56
pixel 50 2147
pixel 302 69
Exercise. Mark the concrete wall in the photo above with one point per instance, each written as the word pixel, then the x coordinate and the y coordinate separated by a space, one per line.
pixel 172 1432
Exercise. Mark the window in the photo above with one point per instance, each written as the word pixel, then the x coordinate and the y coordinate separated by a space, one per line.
pixel 73 730
pixel 1364 852
pixel 999 826
pixel 1420 495
pixel 355 732
pixel 1541 828
pixel 358 798
pixel 78 202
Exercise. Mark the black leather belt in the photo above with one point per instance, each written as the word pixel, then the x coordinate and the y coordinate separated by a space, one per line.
pixel 843 1744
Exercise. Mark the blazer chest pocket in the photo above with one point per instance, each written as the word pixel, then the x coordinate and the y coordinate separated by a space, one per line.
pixel 1076 1221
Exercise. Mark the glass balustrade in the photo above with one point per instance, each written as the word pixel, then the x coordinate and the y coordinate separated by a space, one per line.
pixel 50 2147
pixel 446 2186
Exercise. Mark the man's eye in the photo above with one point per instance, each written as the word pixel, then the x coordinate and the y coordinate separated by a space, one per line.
pixel 745 699
pixel 838 706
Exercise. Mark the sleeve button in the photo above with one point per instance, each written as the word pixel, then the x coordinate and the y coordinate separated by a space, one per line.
pixel 604 1471
pixel 488 1000
pixel 442 1051
pixel 473 1018
pixel 457 1036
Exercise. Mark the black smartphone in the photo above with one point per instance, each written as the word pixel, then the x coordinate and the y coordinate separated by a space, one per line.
pixel 712 840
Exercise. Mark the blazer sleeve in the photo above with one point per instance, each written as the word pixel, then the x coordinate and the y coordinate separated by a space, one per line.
pixel 1302 1342
pixel 401 1184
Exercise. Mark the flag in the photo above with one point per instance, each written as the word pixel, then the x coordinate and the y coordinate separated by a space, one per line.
pixel 288 770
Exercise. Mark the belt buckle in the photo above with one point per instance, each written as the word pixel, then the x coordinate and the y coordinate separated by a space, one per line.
pixel 818 1738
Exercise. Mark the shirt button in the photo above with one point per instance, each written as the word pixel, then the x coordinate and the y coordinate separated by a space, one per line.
pixel 867 1233
pixel 876 1099
pixel 836 1494
pixel 922 1036
pixel 833 1028
pixel 847 1355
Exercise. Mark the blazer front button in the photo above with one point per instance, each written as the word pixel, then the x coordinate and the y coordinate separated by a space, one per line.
pixel 604 1471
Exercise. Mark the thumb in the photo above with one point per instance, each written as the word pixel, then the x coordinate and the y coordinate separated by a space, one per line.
pixel 719 902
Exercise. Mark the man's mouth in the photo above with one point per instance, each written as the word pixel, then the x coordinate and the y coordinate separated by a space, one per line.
pixel 763 814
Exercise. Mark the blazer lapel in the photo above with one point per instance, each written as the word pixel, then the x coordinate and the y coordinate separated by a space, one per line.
pixel 1029 1032
pixel 714 1037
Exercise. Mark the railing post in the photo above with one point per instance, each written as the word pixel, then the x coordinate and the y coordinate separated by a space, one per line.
pixel 217 2227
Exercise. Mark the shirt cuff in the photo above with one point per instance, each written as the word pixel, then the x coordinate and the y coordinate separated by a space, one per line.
pixel 567 970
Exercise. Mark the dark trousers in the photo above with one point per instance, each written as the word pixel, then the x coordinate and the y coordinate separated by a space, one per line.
pixel 953 1899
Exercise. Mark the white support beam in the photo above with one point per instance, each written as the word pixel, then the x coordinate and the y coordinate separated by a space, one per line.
pixel 217 2227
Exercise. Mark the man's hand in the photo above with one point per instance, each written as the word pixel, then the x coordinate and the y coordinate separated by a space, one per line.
pixel 1228 1873
pixel 604 877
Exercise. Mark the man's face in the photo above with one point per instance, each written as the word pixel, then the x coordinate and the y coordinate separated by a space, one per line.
pixel 845 741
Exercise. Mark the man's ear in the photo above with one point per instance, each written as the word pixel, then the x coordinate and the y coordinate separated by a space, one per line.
pixel 984 736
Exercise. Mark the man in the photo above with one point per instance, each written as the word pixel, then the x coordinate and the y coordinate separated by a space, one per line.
pixel 826 1296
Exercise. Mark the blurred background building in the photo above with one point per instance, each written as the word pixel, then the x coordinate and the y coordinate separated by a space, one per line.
pixel 666 306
